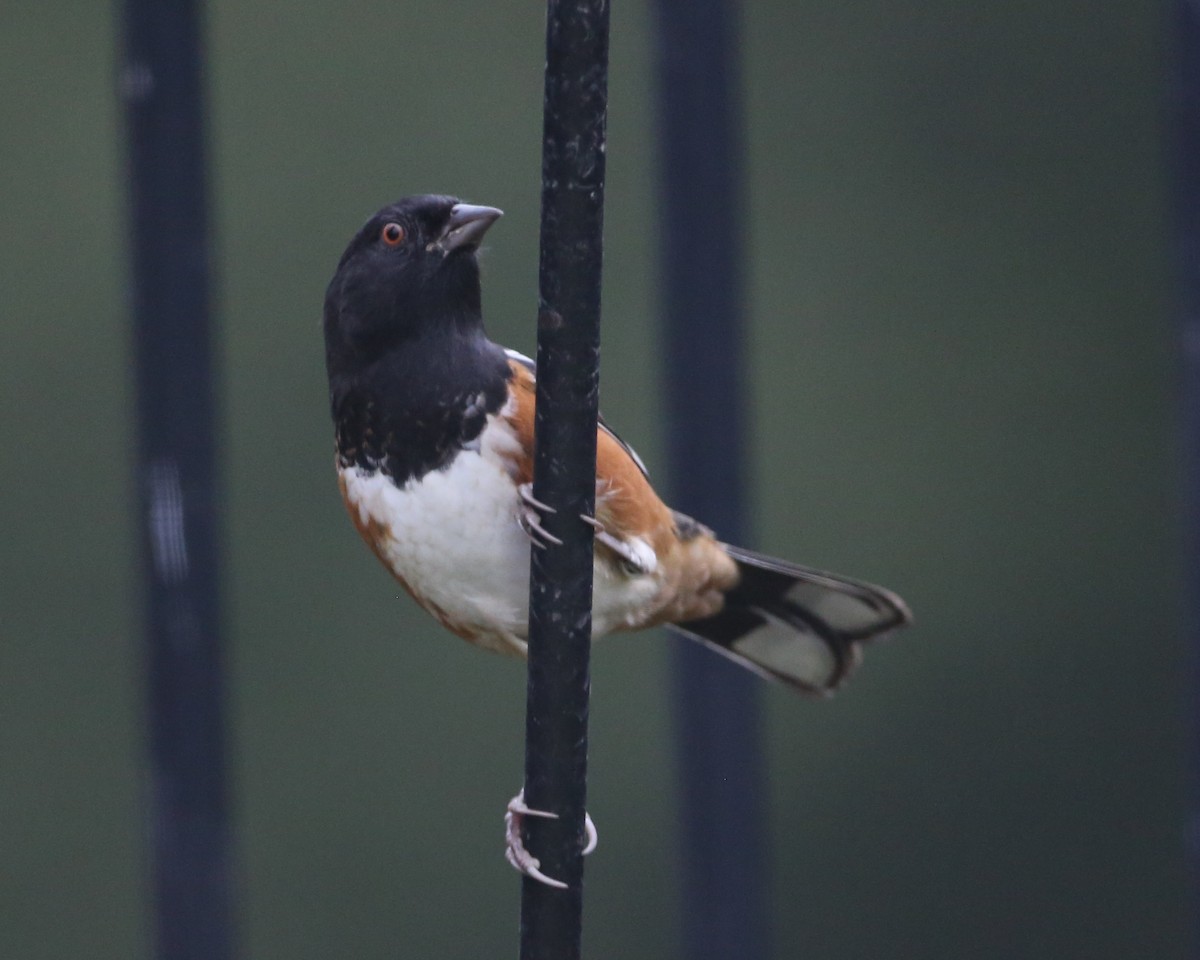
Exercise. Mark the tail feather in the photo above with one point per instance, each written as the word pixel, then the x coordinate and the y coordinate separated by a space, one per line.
pixel 801 626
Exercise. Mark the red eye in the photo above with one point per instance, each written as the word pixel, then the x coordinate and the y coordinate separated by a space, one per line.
pixel 392 234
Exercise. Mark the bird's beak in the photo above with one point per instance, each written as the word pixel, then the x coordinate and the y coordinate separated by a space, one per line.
pixel 466 227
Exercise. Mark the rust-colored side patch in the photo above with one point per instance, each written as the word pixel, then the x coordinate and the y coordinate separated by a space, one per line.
pixel 695 573
pixel 625 502
pixel 524 393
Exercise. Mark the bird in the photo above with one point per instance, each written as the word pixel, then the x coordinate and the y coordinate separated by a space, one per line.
pixel 433 426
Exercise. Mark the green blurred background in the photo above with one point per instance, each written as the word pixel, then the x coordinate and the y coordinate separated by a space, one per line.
pixel 963 381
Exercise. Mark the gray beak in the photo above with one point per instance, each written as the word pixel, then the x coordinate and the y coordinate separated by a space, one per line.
pixel 466 227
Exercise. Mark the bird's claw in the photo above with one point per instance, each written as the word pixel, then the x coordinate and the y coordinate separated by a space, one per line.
pixel 629 560
pixel 530 518
pixel 520 858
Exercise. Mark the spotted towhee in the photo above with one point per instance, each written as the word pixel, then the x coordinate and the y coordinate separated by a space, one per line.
pixel 434 427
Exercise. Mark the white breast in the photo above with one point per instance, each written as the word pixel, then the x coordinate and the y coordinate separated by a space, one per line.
pixel 453 536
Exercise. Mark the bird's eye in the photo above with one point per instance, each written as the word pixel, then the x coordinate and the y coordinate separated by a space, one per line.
pixel 392 234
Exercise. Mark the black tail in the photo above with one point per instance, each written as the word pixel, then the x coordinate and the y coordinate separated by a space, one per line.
pixel 795 624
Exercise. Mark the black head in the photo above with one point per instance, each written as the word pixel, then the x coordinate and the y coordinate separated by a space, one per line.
pixel 410 271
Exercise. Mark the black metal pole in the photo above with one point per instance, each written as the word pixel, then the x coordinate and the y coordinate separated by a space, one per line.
pixel 701 237
pixel 1187 221
pixel 568 358
pixel 161 83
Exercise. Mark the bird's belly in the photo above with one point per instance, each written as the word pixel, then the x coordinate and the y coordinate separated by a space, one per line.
pixel 454 539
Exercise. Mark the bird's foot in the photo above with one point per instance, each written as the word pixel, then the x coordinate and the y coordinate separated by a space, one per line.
pixel 530 518
pixel 516 854
pixel 630 561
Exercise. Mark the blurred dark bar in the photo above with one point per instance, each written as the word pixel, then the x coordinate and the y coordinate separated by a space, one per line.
pixel 1187 219
pixel 568 371
pixel 701 229
pixel 161 83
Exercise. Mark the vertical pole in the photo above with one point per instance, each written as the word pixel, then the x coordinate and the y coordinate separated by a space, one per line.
pixel 701 235
pixel 568 357
pixel 161 83
pixel 1187 219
